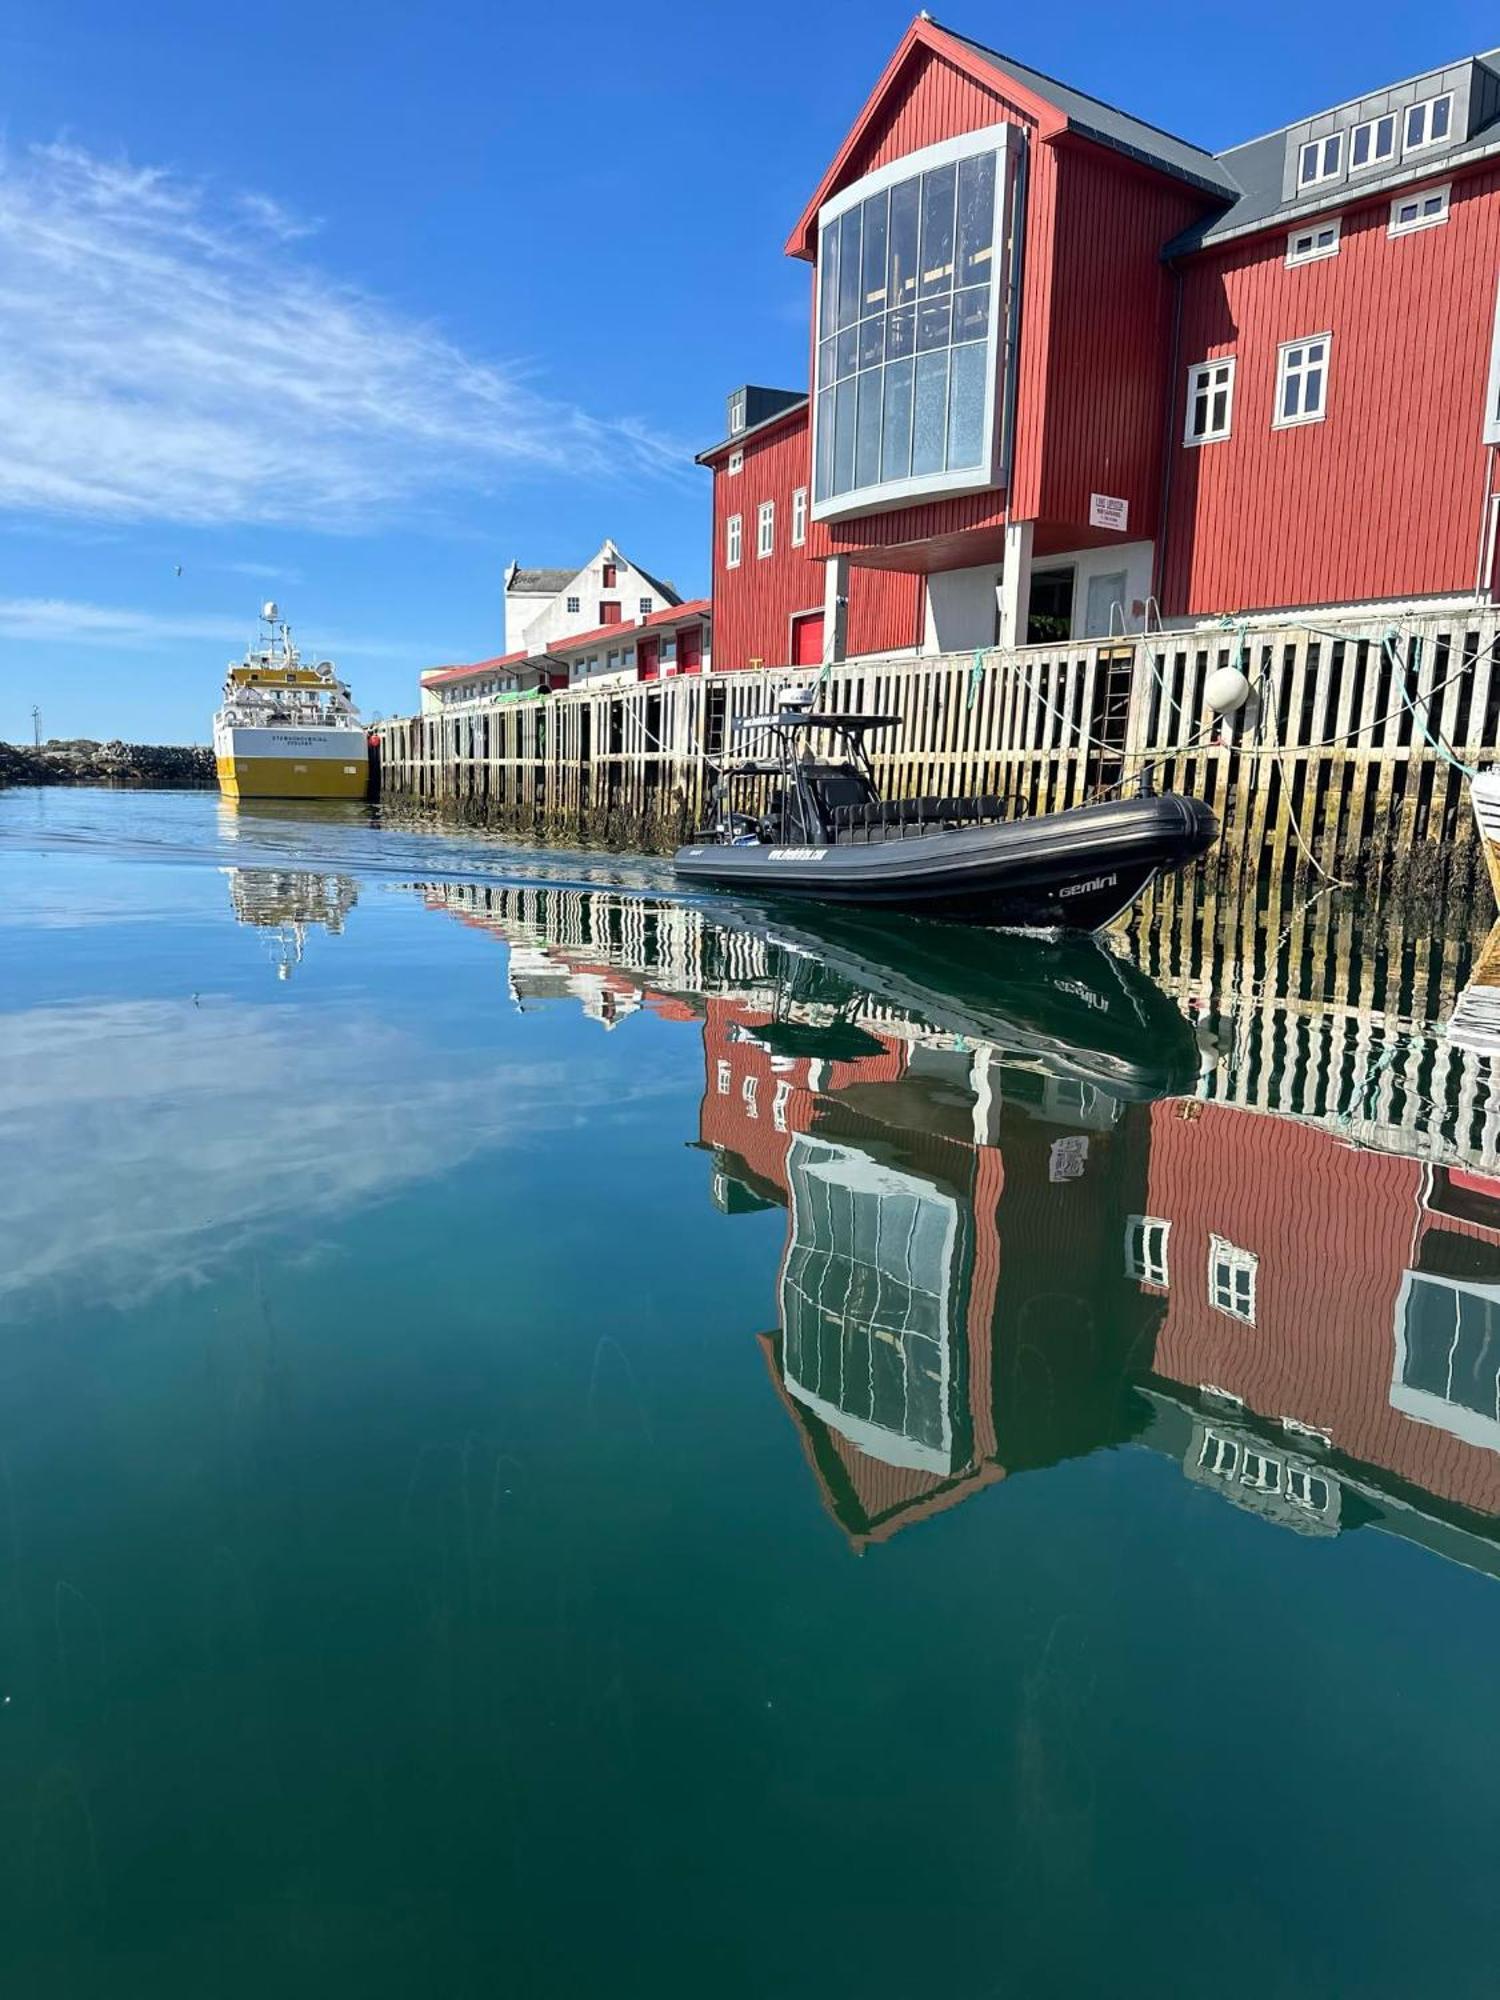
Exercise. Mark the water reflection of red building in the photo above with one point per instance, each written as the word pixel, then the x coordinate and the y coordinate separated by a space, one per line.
pixel 1351 1294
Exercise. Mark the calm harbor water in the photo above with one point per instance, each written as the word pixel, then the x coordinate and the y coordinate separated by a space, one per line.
pixel 557 1440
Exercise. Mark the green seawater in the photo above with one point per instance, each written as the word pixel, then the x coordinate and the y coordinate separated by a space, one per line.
pixel 560 1441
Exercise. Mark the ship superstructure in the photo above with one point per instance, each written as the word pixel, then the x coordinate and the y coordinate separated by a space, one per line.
pixel 285 730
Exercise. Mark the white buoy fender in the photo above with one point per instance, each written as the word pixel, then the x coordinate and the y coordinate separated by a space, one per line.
pixel 1227 690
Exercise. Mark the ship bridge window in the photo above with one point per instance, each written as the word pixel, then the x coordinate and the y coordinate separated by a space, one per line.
pixel 911 271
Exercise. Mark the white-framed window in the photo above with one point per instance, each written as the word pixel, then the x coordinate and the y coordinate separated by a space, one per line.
pixel 1428 123
pixel 734 529
pixel 736 464
pixel 1220 1455
pixel 765 528
pixel 574 605
pixel 1373 144
pixel 722 1076
pixel 1492 387
pixel 1308 1489
pixel 1320 239
pixel 1410 212
pixel 1261 1471
pixel 779 1104
pixel 1210 401
pixel 1232 1276
pixel 1302 380
pixel 1447 1359
pixel 799 517
pixel 1320 160
pixel 1146 1249
pixel 645 607
pixel 736 412
pixel 749 1091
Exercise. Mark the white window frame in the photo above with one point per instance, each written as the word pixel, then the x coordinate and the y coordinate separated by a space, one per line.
pixel 1325 172
pixel 1330 226
pixel 736 413
pixel 1227 1257
pixel 1491 429
pixel 1427 1406
pixel 645 604
pixel 575 605
pixel 1426 105
pixel 1303 1476
pixel 1283 353
pixel 1196 375
pixel 734 541
pixel 736 464
pixel 1219 1455
pixel 1419 200
pixel 765 530
pixel 1145 1260
pixel 1372 126
pixel 1260 1469
pixel 779 1103
pixel 749 1096
pixel 723 1076
pixel 799 517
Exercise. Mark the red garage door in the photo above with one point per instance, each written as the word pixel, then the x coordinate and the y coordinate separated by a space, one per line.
pixel 807 640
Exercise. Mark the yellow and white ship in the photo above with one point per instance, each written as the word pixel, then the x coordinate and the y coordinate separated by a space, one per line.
pixel 286 731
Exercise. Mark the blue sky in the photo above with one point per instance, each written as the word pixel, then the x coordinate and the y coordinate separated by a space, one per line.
pixel 353 305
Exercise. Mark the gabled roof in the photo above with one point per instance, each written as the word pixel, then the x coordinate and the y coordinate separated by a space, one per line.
pixel 540 582
pixel 1056 107
pixel 435 676
pixel 661 588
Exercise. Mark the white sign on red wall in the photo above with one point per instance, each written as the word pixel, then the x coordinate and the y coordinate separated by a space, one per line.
pixel 1107 512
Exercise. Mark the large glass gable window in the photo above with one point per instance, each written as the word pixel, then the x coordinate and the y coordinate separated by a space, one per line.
pixel 909 297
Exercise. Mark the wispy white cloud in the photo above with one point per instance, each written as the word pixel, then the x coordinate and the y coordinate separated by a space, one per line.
pixel 170 354
pixel 120 628
pixel 279 573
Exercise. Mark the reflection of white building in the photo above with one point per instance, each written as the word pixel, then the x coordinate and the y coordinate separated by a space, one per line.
pixel 534 976
pixel 866 1295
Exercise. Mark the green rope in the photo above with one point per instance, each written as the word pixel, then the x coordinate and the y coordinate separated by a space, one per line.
pixel 976 676
pixel 1405 668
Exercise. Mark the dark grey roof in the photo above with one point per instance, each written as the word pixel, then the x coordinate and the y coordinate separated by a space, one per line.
pixel 796 402
pixel 535 582
pixel 1261 173
pixel 662 588
pixel 1111 127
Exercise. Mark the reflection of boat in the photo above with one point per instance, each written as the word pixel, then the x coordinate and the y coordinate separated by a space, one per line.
pixel 809 825
pixel 285 901
pixel 285 730
pixel 1475 1021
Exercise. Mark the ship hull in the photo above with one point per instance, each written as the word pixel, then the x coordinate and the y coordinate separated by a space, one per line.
pixel 292 763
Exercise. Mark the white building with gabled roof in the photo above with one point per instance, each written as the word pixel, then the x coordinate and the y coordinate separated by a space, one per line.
pixel 543 606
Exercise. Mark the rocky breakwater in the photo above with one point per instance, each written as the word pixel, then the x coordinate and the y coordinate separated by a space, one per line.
pixel 82 762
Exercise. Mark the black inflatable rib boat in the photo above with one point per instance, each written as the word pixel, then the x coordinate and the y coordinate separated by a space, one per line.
pixel 802 824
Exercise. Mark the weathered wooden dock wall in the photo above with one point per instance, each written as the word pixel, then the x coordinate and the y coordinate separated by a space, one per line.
pixel 1332 766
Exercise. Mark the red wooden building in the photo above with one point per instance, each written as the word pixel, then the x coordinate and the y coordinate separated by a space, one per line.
pixel 1067 371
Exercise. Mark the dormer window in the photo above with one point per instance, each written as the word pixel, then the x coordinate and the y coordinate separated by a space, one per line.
pixel 736 413
pixel 1320 160
pixel 1428 123
pixel 1373 144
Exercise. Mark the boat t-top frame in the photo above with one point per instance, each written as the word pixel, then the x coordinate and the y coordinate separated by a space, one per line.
pixel 831 798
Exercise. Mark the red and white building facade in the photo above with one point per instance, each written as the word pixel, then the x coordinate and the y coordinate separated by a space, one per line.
pixel 1069 374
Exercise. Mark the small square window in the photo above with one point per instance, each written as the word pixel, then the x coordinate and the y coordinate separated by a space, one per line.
pixel 645 607
pixel 736 463
pixel 1210 401
pixel 1320 160
pixel 1306 246
pixel 1428 123
pixel 1410 212
pixel 1232 1277
pixel 573 604
pixel 1302 381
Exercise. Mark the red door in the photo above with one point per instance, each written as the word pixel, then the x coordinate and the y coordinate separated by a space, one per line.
pixel 807 640
pixel 647 659
pixel 609 611
pixel 690 650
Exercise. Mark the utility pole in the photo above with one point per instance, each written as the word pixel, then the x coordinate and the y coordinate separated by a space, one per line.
pixel 36 726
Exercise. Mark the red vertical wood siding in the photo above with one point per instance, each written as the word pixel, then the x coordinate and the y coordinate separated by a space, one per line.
pixel 1102 400
pixel 1381 499
pixel 1334 1231
pixel 754 605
